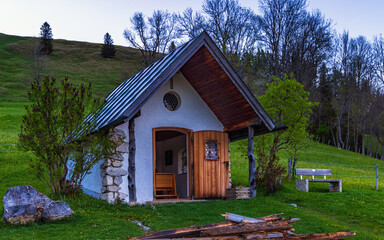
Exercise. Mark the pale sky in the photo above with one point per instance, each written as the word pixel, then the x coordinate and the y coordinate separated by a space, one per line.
pixel 89 20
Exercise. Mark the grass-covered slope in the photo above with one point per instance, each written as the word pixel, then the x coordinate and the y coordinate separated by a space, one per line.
pixel 358 208
pixel 80 61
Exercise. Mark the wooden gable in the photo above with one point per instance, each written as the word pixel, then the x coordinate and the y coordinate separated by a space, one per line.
pixel 209 73
pixel 218 91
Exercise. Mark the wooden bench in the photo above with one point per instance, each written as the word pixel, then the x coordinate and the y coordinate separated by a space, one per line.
pixel 165 185
pixel 335 185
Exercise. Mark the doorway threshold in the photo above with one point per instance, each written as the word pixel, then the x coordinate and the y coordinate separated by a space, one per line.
pixel 175 200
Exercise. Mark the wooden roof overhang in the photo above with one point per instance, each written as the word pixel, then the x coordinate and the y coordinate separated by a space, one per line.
pixel 219 92
pixel 217 83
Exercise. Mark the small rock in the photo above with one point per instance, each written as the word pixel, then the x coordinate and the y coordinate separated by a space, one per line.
pixel 122 196
pixel 106 163
pixel 116 172
pixel 118 135
pixel 118 180
pixel 57 210
pixel 123 147
pixel 117 157
pixel 113 188
pixel 107 180
pixel 107 197
pixel 117 164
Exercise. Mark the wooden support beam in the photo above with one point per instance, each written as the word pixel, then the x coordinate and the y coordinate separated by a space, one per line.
pixel 252 163
pixel 244 228
pixel 131 161
pixel 327 236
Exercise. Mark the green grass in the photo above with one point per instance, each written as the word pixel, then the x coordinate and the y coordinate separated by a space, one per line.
pixel 357 208
pixel 80 61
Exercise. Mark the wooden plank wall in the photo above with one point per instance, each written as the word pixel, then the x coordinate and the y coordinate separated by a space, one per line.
pixel 217 90
pixel 211 176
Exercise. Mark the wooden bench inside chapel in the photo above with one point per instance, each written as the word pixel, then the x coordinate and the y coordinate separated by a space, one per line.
pixel 335 185
pixel 165 185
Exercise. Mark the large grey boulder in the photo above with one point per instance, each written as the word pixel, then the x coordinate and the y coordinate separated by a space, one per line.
pixel 24 204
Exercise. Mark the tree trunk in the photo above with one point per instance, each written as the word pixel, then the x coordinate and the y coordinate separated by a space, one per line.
pixel 131 161
pixel 356 137
pixel 340 143
pixel 333 137
pixel 347 135
pixel 252 163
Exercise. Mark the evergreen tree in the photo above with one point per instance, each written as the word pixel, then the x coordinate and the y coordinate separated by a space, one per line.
pixel 46 39
pixel 108 50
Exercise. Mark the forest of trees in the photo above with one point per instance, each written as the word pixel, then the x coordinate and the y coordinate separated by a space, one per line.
pixel 344 75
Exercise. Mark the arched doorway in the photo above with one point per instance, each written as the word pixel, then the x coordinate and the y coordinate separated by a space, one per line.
pixel 172 155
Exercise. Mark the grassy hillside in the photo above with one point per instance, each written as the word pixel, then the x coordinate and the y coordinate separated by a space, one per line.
pixel 357 208
pixel 80 61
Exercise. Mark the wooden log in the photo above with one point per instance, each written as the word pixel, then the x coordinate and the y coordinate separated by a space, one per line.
pixel 273 217
pixel 275 235
pixel 322 236
pixel 131 161
pixel 238 218
pixel 281 236
pixel 192 231
pixel 252 163
pixel 236 193
pixel 244 228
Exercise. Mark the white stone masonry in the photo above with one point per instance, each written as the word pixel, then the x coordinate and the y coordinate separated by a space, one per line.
pixel 112 172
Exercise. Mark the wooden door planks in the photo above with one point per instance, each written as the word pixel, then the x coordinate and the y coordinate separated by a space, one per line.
pixel 211 177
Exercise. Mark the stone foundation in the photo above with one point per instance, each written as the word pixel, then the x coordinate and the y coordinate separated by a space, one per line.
pixel 112 172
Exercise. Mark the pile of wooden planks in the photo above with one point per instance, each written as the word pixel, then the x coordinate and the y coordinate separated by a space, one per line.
pixel 240 227
pixel 237 193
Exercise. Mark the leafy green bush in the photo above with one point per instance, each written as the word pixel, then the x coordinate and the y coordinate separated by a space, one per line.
pixel 288 105
pixel 57 130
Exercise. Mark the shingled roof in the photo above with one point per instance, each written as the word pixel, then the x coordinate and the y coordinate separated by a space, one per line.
pixel 207 70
